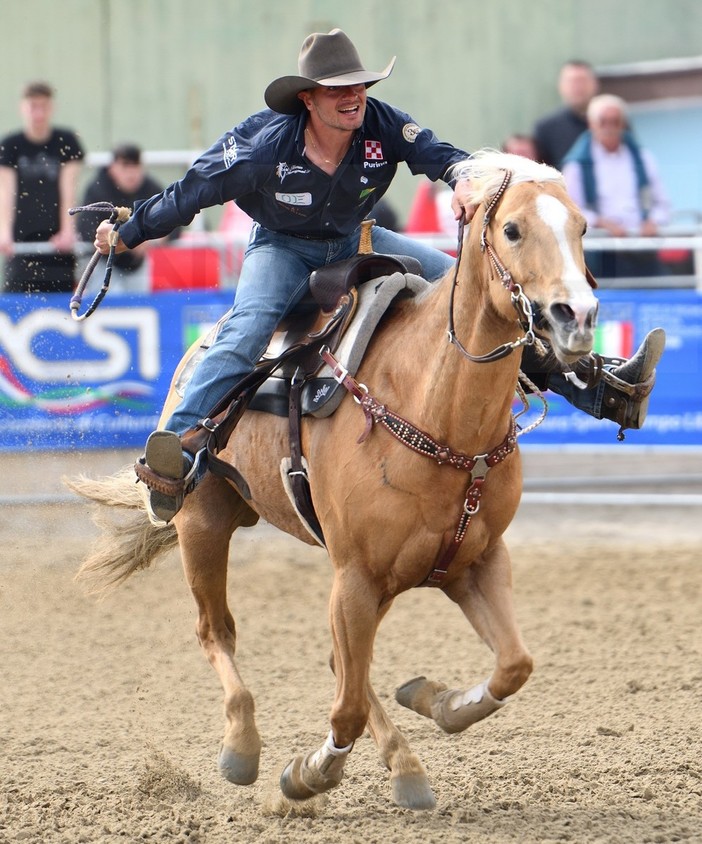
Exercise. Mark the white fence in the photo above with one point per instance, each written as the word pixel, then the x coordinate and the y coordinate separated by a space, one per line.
pixel 688 238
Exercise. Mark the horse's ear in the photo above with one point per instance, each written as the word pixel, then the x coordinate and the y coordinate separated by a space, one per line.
pixel 590 278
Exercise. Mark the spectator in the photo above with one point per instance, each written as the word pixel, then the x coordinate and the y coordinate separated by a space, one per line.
pixel 556 133
pixel 39 168
pixel 616 183
pixel 518 144
pixel 122 182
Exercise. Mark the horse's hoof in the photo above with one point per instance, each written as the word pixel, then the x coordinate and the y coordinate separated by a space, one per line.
pixel 405 693
pixel 418 695
pixel 291 783
pixel 239 768
pixel 412 791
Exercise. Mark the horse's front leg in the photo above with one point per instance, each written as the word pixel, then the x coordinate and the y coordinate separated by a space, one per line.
pixel 204 527
pixel 484 593
pixel 354 611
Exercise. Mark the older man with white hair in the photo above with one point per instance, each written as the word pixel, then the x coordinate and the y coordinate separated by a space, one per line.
pixel 616 183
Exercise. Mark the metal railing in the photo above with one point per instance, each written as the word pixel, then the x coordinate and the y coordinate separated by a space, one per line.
pixel 672 238
pixel 688 239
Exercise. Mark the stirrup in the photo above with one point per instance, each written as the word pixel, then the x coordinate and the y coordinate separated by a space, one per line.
pixel 162 469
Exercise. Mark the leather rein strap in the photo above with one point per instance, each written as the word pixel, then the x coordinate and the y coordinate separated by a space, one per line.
pixel 420 442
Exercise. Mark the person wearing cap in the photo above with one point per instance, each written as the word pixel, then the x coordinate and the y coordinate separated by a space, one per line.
pixel 122 182
pixel 307 170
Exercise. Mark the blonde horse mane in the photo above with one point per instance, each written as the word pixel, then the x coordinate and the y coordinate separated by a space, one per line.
pixel 485 170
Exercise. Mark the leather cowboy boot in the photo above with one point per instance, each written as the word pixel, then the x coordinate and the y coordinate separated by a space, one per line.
pixel 616 388
pixel 628 383
pixel 623 386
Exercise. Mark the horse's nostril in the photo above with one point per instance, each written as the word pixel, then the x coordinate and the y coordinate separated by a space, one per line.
pixel 562 313
pixel 582 315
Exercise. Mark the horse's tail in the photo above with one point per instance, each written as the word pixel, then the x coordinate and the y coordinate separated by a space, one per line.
pixel 128 541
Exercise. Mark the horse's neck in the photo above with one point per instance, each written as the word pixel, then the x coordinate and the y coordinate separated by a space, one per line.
pixel 465 402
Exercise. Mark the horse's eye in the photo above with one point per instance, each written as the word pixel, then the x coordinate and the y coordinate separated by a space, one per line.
pixel 511 231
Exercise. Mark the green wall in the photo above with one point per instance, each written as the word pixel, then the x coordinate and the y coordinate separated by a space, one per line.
pixel 173 74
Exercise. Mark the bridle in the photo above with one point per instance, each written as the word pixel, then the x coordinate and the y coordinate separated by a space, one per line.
pixel 520 301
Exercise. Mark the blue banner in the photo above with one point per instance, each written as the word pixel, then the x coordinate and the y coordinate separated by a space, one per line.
pixel 675 409
pixel 101 383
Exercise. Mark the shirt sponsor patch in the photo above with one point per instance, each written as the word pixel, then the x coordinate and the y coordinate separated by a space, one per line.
pixel 294 198
pixel 410 132
pixel 230 152
pixel 374 151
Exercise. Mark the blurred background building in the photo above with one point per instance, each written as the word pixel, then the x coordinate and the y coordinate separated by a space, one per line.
pixel 172 75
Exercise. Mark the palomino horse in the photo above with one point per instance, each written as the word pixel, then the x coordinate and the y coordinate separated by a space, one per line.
pixel 393 505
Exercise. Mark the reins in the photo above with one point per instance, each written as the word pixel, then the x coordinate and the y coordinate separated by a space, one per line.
pixel 118 216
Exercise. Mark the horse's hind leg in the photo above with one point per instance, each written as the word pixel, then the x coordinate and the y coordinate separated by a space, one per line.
pixel 410 786
pixel 205 526
pixel 484 594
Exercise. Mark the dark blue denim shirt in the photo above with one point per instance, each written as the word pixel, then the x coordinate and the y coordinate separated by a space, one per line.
pixel 260 164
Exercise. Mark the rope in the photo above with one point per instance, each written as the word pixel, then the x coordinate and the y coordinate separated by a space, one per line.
pixel 118 216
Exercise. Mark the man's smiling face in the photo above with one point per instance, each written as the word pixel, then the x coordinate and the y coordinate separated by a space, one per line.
pixel 337 107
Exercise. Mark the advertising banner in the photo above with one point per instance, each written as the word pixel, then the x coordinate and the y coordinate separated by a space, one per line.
pixel 101 383
pixel 675 409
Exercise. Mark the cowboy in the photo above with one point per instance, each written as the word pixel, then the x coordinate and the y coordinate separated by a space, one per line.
pixel 307 170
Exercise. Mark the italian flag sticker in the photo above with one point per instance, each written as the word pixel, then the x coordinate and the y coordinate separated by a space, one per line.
pixel 614 339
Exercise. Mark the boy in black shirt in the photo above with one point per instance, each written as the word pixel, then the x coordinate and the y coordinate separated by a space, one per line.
pixel 39 168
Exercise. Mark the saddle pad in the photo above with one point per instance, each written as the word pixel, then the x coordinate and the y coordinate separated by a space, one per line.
pixel 321 395
pixel 375 297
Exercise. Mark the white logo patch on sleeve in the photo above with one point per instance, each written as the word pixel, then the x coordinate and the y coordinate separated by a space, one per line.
pixel 230 152
pixel 410 132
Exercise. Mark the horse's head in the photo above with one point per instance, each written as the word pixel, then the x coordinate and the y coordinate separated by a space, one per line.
pixel 534 230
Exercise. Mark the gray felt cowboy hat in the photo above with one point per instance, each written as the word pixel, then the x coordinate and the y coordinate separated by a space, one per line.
pixel 325 59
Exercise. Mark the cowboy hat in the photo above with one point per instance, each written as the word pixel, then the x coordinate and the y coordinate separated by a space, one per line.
pixel 325 59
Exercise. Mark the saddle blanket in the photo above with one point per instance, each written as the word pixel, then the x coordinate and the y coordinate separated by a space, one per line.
pixel 321 394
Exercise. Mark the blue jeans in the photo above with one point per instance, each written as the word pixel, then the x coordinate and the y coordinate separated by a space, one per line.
pixel 589 401
pixel 274 278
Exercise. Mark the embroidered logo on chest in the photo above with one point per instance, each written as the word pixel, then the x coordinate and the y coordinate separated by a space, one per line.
pixel 374 151
pixel 284 169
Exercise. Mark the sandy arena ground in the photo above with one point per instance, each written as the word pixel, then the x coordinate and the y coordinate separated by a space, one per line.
pixel 111 719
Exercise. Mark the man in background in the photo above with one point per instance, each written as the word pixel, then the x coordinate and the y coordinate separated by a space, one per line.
pixel 615 182
pixel 556 133
pixel 519 144
pixel 39 168
pixel 122 182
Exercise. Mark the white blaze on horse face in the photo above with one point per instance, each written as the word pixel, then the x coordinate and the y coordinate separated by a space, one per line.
pixel 555 215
